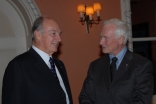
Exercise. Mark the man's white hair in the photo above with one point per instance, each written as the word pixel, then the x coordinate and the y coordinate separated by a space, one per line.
pixel 121 28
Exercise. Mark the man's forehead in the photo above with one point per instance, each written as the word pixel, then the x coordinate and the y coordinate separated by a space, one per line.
pixel 51 27
pixel 107 29
pixel 50 22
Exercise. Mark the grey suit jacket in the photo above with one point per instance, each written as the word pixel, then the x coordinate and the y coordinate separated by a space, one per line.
pixel 132 84
pixel 28 80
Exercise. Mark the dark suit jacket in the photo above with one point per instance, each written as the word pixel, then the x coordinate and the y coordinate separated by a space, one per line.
pixel 132 84
pixel 28 80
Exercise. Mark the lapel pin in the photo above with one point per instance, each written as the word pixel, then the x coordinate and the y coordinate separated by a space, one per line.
pixel 126 64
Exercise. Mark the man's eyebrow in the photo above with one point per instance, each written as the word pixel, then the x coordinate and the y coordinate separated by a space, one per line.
pixel 53 30
pixel 56 31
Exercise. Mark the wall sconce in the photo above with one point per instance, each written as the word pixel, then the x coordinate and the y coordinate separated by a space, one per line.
pixel 86 13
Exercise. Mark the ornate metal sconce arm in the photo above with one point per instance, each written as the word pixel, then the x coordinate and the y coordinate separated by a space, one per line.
pixel 86 13
pixel 89 22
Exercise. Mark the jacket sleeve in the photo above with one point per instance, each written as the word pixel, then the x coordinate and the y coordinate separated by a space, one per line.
pixel 87 95
pixel 13 84
pixel 144 84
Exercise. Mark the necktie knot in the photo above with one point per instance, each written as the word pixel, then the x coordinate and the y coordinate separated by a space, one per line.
pixel 51 61
pixel 114 59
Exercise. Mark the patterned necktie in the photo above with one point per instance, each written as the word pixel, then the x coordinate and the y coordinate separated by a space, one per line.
pixel 113 67
pixel 52 68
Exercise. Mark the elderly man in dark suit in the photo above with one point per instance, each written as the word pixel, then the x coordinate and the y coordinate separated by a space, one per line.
pixel 120 76
pixel 35 77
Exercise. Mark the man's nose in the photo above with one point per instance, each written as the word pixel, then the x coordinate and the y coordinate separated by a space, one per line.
pixel 58 38
pixel 102 41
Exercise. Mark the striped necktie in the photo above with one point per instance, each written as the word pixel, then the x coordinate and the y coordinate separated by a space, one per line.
pixel 52 68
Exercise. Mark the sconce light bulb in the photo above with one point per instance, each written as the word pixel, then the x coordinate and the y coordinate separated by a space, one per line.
pixel 98 13
pixel 81 15
pixel 90 17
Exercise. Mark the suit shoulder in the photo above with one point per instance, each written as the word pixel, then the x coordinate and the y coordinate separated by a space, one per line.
pixel 101 59
pixel 140 58
pixel 19 61
pixel 23 58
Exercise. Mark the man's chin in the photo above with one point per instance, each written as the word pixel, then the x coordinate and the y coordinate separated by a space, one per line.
pixel 104 51
pixel 55 50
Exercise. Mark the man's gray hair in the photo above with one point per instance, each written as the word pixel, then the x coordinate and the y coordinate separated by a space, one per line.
pixel 37 25
pixel 121 28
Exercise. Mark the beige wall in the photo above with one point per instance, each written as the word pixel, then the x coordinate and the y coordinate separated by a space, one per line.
pixel 78 48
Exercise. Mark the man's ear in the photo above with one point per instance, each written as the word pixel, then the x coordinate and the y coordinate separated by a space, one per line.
pixel 37 35
pixel 121 39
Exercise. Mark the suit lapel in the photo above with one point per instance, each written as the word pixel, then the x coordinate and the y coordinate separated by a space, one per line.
pixel 123 67
pixel 42 68
pixel 62 71
pixel 60 68
pixel 106 71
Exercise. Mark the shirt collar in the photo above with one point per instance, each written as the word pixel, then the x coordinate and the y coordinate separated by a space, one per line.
pixel 120 54
pixel 42 54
